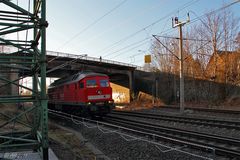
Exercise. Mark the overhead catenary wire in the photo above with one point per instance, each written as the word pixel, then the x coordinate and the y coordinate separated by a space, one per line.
pixel 167 29
pixel 185 39
pixel 92 24
pixel 140 53
pixel 130 45
pixel 129 19
pixel 203 16
pixel 166 47
pixel 144 42
pixel 214 11
pixel 132 57
pixel 200 18
pixel 184 6
pixel 194 52
pixel 86 28
pixel 150 25
pixel 65 64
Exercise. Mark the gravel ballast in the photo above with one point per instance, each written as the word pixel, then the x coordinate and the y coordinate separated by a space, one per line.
pixel 119 147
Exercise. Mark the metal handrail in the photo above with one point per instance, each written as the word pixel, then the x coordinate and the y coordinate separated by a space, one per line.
pixel 85 57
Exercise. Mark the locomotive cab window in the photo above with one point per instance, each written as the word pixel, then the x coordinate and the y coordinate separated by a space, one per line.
pixel 104 83
pixel 81 85
pixel 91 83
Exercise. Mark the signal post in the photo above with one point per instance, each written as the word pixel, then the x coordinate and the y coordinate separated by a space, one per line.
pixel 176 23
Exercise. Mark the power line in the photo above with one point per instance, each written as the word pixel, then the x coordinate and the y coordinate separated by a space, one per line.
pixel 135 43
pixel 194 20
pixel 65 64
pixel 129 19
pixel 130 48
pixel 150 25
pixel 186 39
pixel 214 11
pixel 140 53
pixel 205 14
pixel 199 18
pixel 93 23
pixel 166 47
pixel 189 39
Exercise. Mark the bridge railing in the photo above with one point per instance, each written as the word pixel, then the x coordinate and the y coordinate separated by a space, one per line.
pixel 85 57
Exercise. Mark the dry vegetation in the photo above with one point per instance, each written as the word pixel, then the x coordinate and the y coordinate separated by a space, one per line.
pixel 143 101
pixel 8 110
pixel 68 145
pixel 211 52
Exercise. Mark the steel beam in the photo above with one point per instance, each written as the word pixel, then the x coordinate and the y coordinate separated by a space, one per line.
pixel 28 56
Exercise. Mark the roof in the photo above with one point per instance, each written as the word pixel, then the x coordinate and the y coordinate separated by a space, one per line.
pixel 223 55
pixel 74 78
pixel 222 63
pixel 228 53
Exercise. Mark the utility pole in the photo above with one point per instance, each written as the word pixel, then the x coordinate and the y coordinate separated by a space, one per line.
pixel 176 23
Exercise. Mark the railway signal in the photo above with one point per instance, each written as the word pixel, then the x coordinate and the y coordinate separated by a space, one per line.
pixel 179 24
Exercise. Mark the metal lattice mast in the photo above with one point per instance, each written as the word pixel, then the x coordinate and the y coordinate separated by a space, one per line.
pixel 23 118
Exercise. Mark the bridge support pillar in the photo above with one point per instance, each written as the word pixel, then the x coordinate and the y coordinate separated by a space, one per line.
pixel 131 85
pixel 4 88
pixel 14 88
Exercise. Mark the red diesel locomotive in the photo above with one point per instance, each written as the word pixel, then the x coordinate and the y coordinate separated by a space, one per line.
pixel 83 93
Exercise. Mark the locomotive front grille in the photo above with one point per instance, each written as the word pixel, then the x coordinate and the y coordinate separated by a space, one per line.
pixel 96 97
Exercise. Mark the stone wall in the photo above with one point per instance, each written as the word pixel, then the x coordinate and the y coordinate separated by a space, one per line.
pixel 196 90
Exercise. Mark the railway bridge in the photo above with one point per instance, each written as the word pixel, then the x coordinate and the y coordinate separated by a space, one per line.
pixel 62 64
pixel 161 85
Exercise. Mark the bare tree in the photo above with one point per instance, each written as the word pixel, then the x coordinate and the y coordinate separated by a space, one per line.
pixel 237 42
pixel 163 55
pixel 208 51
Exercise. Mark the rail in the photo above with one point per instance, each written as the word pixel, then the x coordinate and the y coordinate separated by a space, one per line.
pixel 126 134
pixel 226 146
pixel 227 111
pixel 228 124
pixel 85 57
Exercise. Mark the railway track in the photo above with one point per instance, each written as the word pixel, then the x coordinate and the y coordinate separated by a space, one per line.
pixel 222 145
pixel 206 142
pixel 183 119
pixel 226 111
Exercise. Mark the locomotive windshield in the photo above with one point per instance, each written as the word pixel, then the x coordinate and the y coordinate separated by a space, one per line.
pixel 104 83
pixel 91 83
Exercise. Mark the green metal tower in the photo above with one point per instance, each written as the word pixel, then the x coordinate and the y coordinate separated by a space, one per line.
pixel 23 117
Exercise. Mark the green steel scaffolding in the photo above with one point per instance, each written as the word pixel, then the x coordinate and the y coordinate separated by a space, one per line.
pixel 23 117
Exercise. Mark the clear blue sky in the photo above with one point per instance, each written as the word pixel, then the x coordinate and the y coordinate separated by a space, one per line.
pixel 68 18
